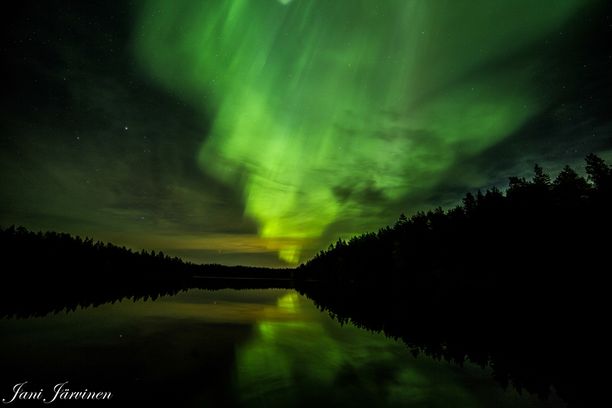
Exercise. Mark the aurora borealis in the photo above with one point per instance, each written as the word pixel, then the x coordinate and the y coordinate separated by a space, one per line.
pixel 257 132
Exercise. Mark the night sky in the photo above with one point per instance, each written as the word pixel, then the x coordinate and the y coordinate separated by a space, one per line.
pixel 259 131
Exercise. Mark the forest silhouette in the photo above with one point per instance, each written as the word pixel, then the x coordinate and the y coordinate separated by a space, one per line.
pixel 494 239
pixel 51 272
pixel 515 280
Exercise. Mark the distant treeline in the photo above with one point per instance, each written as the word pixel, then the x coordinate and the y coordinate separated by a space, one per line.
pixel 72 254
pixel 45 272
pixel 239 271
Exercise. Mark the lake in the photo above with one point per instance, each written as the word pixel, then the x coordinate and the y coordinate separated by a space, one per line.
pixel 245 348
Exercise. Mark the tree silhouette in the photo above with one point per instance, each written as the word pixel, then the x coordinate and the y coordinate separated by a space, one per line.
pixel 599 173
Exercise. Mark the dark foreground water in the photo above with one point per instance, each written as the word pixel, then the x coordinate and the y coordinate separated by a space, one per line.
pixel 252 348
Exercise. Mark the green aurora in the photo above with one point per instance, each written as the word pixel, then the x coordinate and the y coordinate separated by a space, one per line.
pixel 259 131
pixel 324 109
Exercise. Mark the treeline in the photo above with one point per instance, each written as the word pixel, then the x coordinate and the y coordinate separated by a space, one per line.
pixel 40 253
pixel 50 271
pixel 44 272
pixel 243 272
pixel 529 237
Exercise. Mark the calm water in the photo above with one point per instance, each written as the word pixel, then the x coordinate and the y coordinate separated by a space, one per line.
pixel 261 348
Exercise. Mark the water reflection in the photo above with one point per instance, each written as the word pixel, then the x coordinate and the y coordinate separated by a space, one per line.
pixel 236 348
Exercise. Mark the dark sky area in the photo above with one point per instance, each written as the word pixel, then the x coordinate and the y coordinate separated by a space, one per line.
pixel 257 132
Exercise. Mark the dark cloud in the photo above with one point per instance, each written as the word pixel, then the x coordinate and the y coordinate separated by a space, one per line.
pixel 363 193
